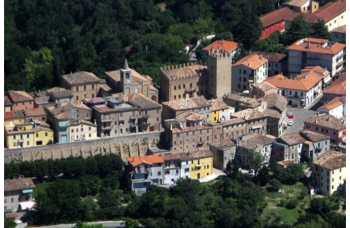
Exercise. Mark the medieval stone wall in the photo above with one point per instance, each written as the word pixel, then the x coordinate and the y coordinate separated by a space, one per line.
pixel 125 146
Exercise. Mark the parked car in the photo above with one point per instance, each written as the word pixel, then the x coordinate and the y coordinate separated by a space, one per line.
pixel 290 115
pixel 290 123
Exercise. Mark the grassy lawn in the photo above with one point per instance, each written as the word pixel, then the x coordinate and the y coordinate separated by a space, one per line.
pixel 275 212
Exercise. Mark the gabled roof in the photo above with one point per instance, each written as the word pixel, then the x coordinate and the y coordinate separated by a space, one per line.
pixel 292 139
pixel 75 122
pixel 58 92
pixel 303 82
pixel 340 29
pixel 252 61
pixel 275 100
pixel 188 103
pixel 35 112
pixel 326 120
pixel 189 116
pixel 135 76
pixel 275 16
pixel 62 116
pixel 149 160
pixel 316 45
pixel 18 184
pixel 141 101
pixel 331 160
pixel 337 88
pixel 255 140
pixel 217 104
pixel 19 96
pixel 42 128
pixel 13 114
pixel 313 136
pixel 81 77
pixel 222 44
pixel 330 11
pixel 249 114
pixel 271 56
pixel 334 103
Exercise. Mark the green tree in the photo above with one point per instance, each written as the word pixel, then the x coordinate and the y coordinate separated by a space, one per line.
pixel 255 160
pixel 298 29
pixel 131 223
pixel 263 176
pixel 319 30
pixel 9 223
pixel 274 185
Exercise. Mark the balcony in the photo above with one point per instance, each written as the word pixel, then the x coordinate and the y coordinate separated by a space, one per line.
pixel 107 127
pixel 340 56
pixel 106 120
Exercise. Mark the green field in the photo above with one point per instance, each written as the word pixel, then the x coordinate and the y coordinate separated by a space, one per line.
pixel 277 213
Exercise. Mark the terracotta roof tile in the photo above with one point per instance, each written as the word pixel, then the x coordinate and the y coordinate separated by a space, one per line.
pixel 62 116
pixel 249 114
pixel 81 77
pixel 326 120
pixel 341 29
pixel 7 101
pixel 313 136
pixel 139 100
pixel 19 96
pixel 223 144
pixel 18 184
pixel 35 112
pixel 316 45
pixel 331 160
pixel 217 104
pixel 271 113
pixel 58 92
pixel 271 56
pixel 335 102
pixel 275 16
pixel 189 155
pixel 252 61
pixel 292 139
pixel 75 122
pixel 149 159
pixel 190 103
pixel 255 140
pixel 275 100
pixel 337 88
pixel 330 11
pixel 222 44
pixel 9 115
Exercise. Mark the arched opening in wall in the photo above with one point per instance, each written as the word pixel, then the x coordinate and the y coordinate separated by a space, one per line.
pixel 154 98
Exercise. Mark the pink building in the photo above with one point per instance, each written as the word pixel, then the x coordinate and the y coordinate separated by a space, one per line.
pixel 327 125
pixel 20 100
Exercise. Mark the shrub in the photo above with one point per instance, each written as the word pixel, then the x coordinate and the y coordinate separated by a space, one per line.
pixel 292 203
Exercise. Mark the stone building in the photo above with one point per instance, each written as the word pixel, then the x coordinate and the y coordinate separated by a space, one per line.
pixel 191 80
pixel 223 152
pixel 129 81
pixel 82 84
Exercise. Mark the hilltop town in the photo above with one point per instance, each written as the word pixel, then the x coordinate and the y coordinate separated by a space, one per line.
pixel 249 112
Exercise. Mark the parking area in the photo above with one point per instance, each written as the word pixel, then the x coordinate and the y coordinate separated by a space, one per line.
pixel 300 115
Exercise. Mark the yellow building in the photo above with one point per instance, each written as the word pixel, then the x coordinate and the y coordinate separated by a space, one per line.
pixel 214 116
pixel 12 118
pixel 22 135
pixel 329 172
pixel 201 164
pixel 42 136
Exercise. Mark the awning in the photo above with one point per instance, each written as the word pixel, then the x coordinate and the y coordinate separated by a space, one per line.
pixel 26 205
pixel 256 127
pixel 27 191
pixel 327 79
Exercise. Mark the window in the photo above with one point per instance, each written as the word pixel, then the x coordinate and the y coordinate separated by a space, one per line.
pixel 159 173
pixel 334 133
pixel 77 88
pixel 167 172
pixel 84 87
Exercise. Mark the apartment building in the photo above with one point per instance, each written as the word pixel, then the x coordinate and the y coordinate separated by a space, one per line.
pixel 81 130
pixel 20 100
pixel 329 172
pixel 315 52
pixel 12 118
pixel 256 121
pixel 248 70
pixel 292 147
pixel 257 142
pixel 187 131
pixel 223 152
pixel 277 62
pixel 335 107
pixel 22 135
pixel 18 195
pixel 315 145
pixel 143 171
pixel 82 84
pixel 327 125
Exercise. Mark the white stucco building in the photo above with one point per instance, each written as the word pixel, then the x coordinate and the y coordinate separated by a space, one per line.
pixel 336 107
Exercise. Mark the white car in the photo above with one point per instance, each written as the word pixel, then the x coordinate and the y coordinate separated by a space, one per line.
pixel 290 123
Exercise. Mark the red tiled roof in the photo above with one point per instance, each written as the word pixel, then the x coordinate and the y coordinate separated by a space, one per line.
pixel 271 56
pixel 35 112
pixel 19 96
pixel 317 46
pixel 149 159
pixel 335 102
pixel 9 115
pixel 275 16
pixel 7 101
pixel 223 44
pixel 252 61
pixel 336 88
pixel 330 11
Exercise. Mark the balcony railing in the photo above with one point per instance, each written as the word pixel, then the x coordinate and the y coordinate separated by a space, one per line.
pixel 191 90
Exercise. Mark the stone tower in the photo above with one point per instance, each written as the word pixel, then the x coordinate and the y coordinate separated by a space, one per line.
pixel 219 68
pixel 125 77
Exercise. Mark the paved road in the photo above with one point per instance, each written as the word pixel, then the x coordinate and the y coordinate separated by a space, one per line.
pixel 300 115
pixel 107 224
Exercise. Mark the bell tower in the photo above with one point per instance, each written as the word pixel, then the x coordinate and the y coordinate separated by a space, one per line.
pixel 125 77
